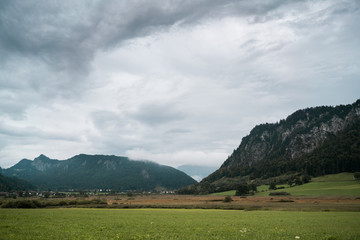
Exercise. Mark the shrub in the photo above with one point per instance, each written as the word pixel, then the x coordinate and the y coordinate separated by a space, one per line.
pixel 298 181
pixel 279 194
pixel 227 199
pixel 98 201
pixel 38 204
pixel 9 204
pixel 83 202
pixel 63 203
pixel 272 186
pixel 286 200
pixel 306 178
pixel 242 189
pixel 20 204
pixel 357 175
pixel 26 203
pixel 73 202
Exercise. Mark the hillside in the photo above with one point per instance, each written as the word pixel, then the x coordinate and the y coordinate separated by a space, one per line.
pixel 341 184
pixel 8 184
pixel 313 141
pixel 98 172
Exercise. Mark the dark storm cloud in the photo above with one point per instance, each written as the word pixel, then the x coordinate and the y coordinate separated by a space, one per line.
pixel 54 32
pixel 66 34
pixel 53 43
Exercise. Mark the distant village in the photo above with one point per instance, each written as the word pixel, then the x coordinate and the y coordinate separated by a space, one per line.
pixel 78 193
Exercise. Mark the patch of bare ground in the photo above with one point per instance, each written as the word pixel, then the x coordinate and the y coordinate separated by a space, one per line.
pixel 241 203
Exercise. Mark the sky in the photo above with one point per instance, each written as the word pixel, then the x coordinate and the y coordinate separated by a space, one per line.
pixel 172 81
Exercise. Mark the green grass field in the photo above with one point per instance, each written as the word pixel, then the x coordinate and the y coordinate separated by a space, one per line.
pixel 342 184
pixel 226 193
pixel 94 223
pixel 175 224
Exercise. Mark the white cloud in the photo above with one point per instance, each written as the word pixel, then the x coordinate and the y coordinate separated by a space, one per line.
pixel 173 82
pixel 208 158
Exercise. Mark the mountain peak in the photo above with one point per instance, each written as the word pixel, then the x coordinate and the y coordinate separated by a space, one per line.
pixel 42 157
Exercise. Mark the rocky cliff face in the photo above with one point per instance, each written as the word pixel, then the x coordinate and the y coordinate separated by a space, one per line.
pixel 288 140
pixel 43 163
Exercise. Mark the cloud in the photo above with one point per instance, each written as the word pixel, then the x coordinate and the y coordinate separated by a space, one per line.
pixel 154 114
pixel 171 81
pixel 67 35
pixel 180 157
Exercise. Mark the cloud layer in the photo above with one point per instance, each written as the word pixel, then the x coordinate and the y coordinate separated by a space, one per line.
pixel 176 82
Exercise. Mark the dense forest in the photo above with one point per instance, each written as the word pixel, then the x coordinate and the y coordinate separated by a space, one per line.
pixel 14 184
pixel 310 142
pixel 98 172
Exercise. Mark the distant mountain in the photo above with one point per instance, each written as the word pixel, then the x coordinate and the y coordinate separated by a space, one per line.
pixel 9 184
pixel 197 172
pixel 313 141
pixel 98 172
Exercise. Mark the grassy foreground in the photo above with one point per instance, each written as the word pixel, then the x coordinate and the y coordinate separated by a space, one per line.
pixel 175 224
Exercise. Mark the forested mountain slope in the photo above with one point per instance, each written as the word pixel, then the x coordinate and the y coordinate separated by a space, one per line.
pixel 313 141
pixel 98 172
pixel 317 141
pixel 8 184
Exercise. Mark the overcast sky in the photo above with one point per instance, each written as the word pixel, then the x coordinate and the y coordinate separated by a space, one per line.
pixel 176 82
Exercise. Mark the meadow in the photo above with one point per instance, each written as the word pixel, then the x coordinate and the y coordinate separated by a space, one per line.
pixel 75 223
pixel 326 208
pixel 342 184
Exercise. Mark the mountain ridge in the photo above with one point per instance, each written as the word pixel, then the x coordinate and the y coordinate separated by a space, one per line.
pixel 97 172
pixel 312 141
pixel 301 133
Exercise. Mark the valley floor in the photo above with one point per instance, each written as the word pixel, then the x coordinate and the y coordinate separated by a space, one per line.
pixel 249 203
pixel 239 203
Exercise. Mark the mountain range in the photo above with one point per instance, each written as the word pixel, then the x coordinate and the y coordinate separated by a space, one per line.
pixel 97 172
pixel 312 141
